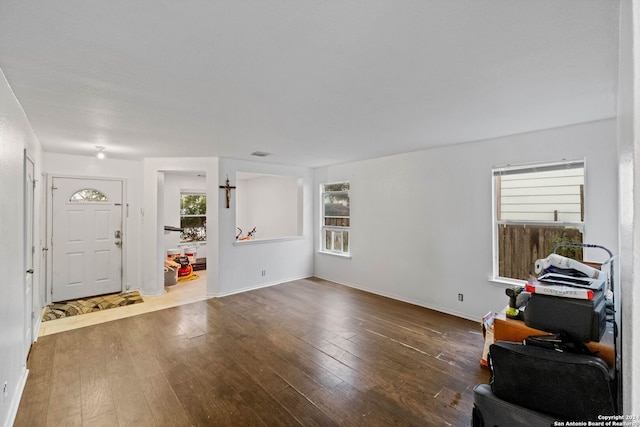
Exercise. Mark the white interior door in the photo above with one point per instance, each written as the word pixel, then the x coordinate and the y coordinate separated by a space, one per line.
pixel 86 240
pixel 29 248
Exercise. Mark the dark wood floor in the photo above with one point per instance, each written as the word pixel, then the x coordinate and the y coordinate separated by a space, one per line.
pixel 308 352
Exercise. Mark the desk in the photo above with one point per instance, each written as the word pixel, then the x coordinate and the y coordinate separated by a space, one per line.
pixel 506 329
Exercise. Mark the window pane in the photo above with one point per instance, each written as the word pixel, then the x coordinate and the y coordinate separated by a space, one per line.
pixel 193 204
pixel 337 240
pixel 194 234
pixel 340 186
pixel 345 241
pixel 542 196
pixel 195 229
pixel 88 195
pixel 336 222
pixel 336 204
pixel 520 246
pixel 193 221
pixel 327 239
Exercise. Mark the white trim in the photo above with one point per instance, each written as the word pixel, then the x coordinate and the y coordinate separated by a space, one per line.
pixel 579 225
pixel 36 331
pixel 146 294
pixel 15 402
pixel 338 254
pixel 29 206
pixel 270 240
pixel 196 244
pixel 407 300
pixel 200 192
pixel 538 167
pixel 253 288
pixel 505 282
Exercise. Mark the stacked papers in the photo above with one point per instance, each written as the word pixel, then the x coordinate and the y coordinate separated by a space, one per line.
pixel 595 284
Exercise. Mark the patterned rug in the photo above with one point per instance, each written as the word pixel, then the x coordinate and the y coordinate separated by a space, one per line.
pixel 81 306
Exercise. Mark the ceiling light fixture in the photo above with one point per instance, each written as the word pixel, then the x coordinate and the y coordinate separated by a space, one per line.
pixel 100 153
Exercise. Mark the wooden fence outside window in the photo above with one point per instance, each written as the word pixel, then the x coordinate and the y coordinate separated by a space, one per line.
pixel 519 246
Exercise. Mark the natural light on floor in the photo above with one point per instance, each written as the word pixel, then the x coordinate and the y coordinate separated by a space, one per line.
pixel 178 294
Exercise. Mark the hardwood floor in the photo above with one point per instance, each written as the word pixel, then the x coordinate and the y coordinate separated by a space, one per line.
pixel 308 352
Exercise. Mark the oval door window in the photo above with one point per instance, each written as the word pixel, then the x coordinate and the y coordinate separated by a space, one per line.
pixel 88 195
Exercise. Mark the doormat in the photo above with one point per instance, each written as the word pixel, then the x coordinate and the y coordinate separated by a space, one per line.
pixel 59 310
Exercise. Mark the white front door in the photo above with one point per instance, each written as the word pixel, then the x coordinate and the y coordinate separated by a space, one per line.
pixel 86 237
pixel 29 248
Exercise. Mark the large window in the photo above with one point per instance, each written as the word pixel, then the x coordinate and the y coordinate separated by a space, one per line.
pixel 536 207
pixel 193 217
pixel 335 218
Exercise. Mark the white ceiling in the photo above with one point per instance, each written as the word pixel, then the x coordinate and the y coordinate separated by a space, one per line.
pixel 312 82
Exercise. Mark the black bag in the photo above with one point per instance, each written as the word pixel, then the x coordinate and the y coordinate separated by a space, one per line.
pixel 559 342
pixel 490 411
pixel 565 385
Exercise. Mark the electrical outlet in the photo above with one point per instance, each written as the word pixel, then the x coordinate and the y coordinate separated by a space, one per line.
pixel 460 297
pixel 264 273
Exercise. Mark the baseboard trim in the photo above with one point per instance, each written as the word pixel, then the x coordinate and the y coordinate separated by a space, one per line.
pixel 145 294
pixel 407 300
pixel 36 330
pixel 253 288
pixel 15 402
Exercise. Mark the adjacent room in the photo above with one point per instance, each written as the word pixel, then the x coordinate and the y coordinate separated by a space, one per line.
pixel 301 211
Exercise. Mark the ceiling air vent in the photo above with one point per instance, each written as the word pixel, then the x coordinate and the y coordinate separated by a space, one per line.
pixel 260 154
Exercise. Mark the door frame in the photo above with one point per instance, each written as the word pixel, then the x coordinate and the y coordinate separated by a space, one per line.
pixel 125 232
pixel 29 229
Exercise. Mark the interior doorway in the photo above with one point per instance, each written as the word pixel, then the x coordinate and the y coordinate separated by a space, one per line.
pixel 185 229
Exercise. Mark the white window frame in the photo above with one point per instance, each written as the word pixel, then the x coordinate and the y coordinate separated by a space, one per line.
pixel 525 168
pixel 192 193
pixel 334 229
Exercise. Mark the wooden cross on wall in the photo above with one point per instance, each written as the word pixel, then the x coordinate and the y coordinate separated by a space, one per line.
pixel 228 189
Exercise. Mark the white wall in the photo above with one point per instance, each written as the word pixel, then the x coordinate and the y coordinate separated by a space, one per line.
pixel 629 163
pixel 131 173
pixel 269 203
pixel 422 222
pixel 241 264
pixel 16 136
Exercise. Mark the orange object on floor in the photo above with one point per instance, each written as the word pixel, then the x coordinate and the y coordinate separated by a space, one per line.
pixel 185 272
